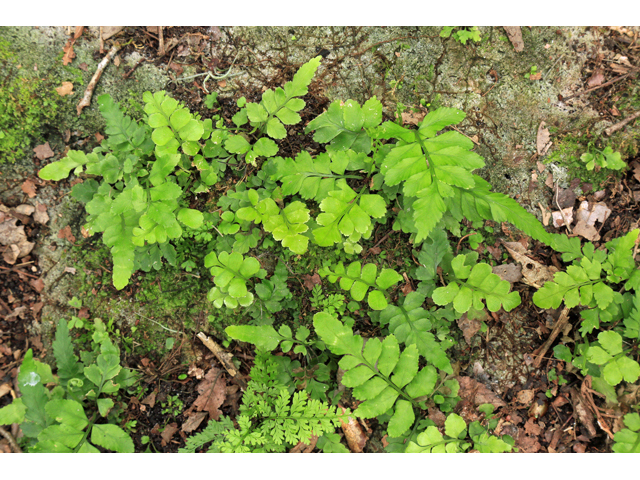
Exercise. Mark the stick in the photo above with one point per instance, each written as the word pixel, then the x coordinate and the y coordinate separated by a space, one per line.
pixel 562 322
pixel 610 82
pixel 221 355
pixel 86 100
pixel 619 125
pixel 11 440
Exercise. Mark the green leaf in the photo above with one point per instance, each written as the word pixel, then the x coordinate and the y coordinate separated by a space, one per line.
pixel 13 413
pixel 112 438
pixel 455 426
pixel 190 217
pixel 67 412
pixel 402 419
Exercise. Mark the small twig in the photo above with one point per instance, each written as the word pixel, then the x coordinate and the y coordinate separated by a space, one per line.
pixel 19 272
pixel 562 322
pixel 159 324
pixel 564 219
pixel 619 125
pixel 223 357
pixel 88 93
pixel 161 51
pixel 11 440
pixel 610 82
pixel 128 74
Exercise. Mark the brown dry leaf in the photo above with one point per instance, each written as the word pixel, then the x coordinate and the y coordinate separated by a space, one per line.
pixel 525 397
pixel 65 89
pixel 478 393
pixel 99 137
pixel 546 214
pixel 24 209
pixel 10 255
pixel 586 231
pixel 168 432
pixel 150 399
pixel 515 37
pixel 212 392
pixel 65 233
pixel 596 78
pixel 302 447
pixel 40 215
pixel 412 118
pixel 534 273
pixel 37 284
pixel 590 214
pixel 542 139
pixel 43 151
pixel 15 238
pixel 108 32
pixel 509 271
pixel 469 327
pixel 29 188
pixel 193 422
pixel 531 427
pixel 560 217
pixel 312 280
pixel 4 389
pixel 195 371
pixel 18 312
pixel 356 439
pixel 536 76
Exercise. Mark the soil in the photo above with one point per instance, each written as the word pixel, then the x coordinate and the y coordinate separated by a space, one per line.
pixel 539 413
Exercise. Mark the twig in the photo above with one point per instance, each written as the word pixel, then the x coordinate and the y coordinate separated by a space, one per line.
pixel 610 82
pixel 11 440
pixel 159 324
pixel 564 219
pixel 128 74
pixel 86 99
pixel 562 322
pixel 619 125
pixel 161 51
pixel 223 357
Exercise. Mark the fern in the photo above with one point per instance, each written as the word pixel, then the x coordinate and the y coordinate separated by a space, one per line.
pixel 359 279
pixel 231 272
pixel 380 375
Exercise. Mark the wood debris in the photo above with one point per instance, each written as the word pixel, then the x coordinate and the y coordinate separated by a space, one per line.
pixel 88 93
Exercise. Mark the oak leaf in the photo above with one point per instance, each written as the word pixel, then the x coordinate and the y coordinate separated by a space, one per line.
pixel 212 392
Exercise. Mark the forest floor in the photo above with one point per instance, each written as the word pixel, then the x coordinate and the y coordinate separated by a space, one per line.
pixel 541 414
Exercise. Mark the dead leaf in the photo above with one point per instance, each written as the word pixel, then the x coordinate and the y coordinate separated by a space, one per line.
pixel 65 233
pixel 559 218
pixel 312 280
pixel 515 37
pixel 532 428
pixel 150 399
pixel 108 32
pixel 69 54
pixel 356 439
pixel 592 213
pixel 84 67
pixel 477 392
pixel 546 214
pixel 4 389
pixel 10 255
pixel 525 397
pixel 37 284
pixel 18 312
pixel 193 422
pixel 586 231
pixel 509 271
pixel 534 273
pixel 29 188
pixel 469 327
pixel 168 432
pixel 40 215
pixel 43 151
pixel 542 140
pixel 536 76
pixel 596 78
pixel 566 198
pixel 15 238
pixel 65 89
pixel 195 371
pixel 212 391
pixel 99 137
pixel 412 118
pixel 24 209
pixel 302 447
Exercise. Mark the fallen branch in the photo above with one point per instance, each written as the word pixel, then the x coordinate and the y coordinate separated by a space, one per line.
pixel 562 322
pixel 88 93
pixel 610 82
pixel 619 125
pixel 222 356
pixel 11 440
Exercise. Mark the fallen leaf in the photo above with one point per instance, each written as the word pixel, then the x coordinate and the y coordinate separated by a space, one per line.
pixel 150 399
pixel 302 447
pixel 65 89
pixel 509 271
pixel 108 32
pixel 592 213
pixel 99 137
pixel 412 118
pixel 515 37
pixel 596 78
pixel 531 427
pixel 15 238
pixel 43 151
pixel 469 327
pixel 4 389
pixel 65 233
pixel 312 280
pixel 566 198
pixel 84 67
pixel 29 188
pixel 525 397
pixel 176 68
pixel 37 284
pixel 193 422
pixel 25 209
pixel 534 273
pixel 40 215
pixel 168 432
pixel 536 76
pixel 10 255
pixel 586 231
pixel 563 218
pixel 195 371
pixel 212 392
pixel 478 393
pixel 17 312
pixel 356 439
pixel 546 214
pixel 542 139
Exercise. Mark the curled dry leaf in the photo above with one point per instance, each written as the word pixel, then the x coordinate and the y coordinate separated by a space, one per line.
pixel 509 271
pixel 534 273
pixel 168 433
pixel 193 422
pixel 15 239
pixel 40 215
pixel 29 188
pixel 356 439
pixel 561 219
pixel 596 78
pixel 542 139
